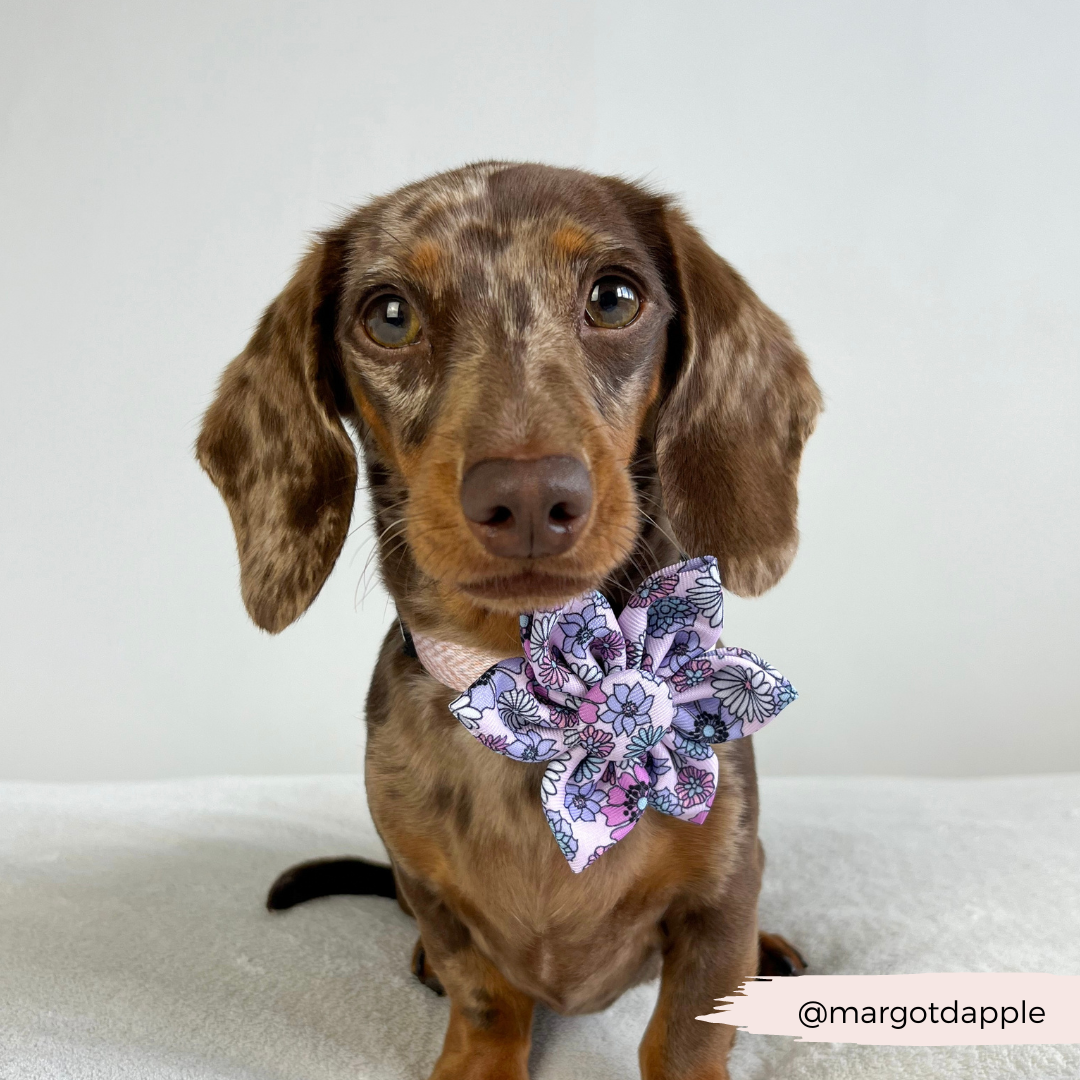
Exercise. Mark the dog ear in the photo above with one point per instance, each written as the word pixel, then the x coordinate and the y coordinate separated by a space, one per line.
pixel 740 405
pixel 274 444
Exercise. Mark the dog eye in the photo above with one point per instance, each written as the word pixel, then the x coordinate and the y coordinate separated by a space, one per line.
pixel 613 302
pixel 391 322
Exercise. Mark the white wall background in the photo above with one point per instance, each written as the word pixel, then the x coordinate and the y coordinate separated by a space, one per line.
pixel 899 179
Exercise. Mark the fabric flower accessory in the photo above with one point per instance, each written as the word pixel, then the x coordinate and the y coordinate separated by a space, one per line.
pixel 624 709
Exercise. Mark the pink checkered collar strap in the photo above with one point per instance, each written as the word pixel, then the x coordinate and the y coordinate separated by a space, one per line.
pixel 623 709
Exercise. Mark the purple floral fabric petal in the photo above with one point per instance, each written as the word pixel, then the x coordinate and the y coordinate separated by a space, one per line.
pixel 625 710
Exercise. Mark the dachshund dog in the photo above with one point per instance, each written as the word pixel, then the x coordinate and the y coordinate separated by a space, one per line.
pixel 556 386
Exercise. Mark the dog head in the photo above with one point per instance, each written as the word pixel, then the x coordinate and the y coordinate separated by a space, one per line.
pixel 552 377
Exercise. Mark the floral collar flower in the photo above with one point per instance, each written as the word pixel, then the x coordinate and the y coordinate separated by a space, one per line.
pixel 624 710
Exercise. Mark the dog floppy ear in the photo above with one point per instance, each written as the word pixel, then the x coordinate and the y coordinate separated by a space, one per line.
pixel 274 444
pixel 740 405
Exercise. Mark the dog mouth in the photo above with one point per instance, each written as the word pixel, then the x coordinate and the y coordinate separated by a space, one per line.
pixel 528 588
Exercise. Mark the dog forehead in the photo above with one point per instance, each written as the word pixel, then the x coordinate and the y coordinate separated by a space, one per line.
pixel 499 198
pixel 473 231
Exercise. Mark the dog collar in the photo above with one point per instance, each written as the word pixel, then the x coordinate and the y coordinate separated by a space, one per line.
pixel 456 666
pixel 624 710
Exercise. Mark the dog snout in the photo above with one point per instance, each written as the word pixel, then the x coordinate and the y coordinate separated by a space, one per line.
pixel 527 508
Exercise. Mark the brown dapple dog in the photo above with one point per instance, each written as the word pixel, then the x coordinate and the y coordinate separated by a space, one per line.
pixel 557 387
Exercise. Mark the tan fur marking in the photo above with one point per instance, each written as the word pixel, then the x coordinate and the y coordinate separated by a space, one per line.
pixel 570 242
pixel 374 422
pixel 426 258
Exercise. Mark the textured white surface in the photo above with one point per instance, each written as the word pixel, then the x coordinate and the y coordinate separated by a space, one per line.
pixel 133 942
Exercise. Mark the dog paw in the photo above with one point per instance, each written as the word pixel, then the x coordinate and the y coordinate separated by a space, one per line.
pixel 424 971
pixel 777 956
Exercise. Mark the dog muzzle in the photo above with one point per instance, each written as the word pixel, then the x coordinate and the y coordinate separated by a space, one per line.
pixel 625 711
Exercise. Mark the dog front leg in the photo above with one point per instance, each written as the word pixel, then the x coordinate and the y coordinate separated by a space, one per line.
pixel 708 952
pixel 490 1025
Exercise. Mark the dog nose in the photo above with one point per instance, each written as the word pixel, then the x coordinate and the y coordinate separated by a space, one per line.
pixel 525 509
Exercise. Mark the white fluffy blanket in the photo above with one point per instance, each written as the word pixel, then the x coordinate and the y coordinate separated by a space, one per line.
pixel 133 942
